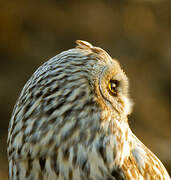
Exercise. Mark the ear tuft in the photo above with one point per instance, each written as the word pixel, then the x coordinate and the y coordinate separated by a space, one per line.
pixel 83 45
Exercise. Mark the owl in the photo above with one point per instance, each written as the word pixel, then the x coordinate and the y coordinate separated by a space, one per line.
pixel 70 122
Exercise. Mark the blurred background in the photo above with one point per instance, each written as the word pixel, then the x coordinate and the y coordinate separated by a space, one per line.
pixel 138 33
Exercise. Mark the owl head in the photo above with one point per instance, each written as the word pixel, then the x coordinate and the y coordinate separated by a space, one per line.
pixel 109 80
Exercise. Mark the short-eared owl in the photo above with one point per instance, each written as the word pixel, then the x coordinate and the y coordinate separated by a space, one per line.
pixel 70 123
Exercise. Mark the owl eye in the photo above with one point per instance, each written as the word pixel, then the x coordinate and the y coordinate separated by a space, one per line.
pixel 113 84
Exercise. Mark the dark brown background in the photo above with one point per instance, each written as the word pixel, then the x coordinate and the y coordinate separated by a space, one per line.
pixel 138 33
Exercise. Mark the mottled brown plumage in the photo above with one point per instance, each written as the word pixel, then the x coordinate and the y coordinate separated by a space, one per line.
pixel 70 122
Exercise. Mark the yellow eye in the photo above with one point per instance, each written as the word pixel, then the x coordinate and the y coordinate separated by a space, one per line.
pixel 113 84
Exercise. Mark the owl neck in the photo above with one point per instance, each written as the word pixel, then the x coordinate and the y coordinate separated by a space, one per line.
pixel 118 136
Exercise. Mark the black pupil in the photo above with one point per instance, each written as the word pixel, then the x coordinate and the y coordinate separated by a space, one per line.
pixel 114 85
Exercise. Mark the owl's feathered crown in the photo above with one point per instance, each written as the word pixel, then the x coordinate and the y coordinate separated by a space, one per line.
pixel 84 45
